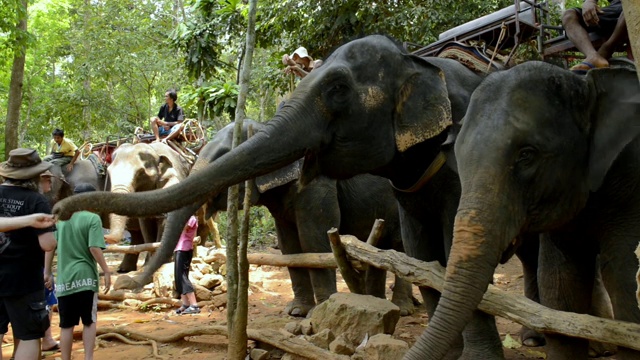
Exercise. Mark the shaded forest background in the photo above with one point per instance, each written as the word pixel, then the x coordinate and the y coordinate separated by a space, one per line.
pixel 100 67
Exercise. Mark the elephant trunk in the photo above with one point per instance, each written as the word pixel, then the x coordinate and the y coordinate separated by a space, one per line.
pixel 281 142
pixel 117 223
pixel 478 244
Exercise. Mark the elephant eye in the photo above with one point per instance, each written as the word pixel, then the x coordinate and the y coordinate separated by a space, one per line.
pixel 526 155
pixel 338 94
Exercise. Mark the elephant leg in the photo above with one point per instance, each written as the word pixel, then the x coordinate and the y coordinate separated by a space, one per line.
pixel 528 255
pixel 303 299
pixel 375 282
pixel 313 224
pixel 151 229
pixel 601 307
pixel 130 261
pixel 568 269
pixel 618 265
pixel 403 296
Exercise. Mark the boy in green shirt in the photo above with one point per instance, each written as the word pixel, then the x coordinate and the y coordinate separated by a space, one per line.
pixel 80 244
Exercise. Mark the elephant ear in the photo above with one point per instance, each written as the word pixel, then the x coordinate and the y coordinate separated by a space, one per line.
pixel 422 106
pixel 167 171
pixel 279 177
pixel 615 120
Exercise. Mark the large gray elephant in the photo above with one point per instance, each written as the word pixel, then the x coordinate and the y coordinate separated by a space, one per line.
pixel 135 168
pixel 302 216
pixel 544 150
pixel 370 108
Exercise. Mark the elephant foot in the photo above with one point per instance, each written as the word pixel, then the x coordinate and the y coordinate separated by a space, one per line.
pixel 299 308
pixel 129 263
pixel 598 349
pixel 531 338
pixel 405 304
pixel 126 282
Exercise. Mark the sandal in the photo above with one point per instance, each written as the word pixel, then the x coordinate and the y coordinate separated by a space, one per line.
pixel 182 308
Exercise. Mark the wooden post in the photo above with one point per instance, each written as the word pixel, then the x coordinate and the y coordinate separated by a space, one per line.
pixel 376 232
pixel 351 276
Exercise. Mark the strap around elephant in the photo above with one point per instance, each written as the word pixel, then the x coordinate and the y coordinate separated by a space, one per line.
pixel 433 168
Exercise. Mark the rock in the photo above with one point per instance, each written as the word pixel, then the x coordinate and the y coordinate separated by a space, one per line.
pixel 259 354
pixel 322 339
pixel 211 280
pixel 222 270
pixel 305 327
pixel 125 282
pixel 382 347
pixel 354 316
pixel 293 327
pixel 163 281
pixel 289 356
pixel 202 293
pixel 132 303
pixel 342 345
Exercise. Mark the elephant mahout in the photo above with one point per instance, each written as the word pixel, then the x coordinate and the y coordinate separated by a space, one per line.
pixel 370 108
pixel 543 150
pixel 303 215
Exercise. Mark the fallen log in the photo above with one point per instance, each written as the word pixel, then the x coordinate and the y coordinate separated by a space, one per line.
pixel 500 303
pixel 308 260
pixel 132 249
pixel 278 339
pixel 119 295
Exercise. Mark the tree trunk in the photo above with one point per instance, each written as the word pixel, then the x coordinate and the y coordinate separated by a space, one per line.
pixel 15 87
pixel 238 266
pixel 632 17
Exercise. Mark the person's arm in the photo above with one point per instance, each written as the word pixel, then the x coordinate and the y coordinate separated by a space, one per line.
pixel 48 274
pixel 590 11
pixel 47 241
pixel 40 221
pixel 97 254
pixel 73 160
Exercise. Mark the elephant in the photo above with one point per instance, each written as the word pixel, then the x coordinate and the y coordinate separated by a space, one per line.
pixel 135 168
pixel 303 215
pixel 370 108
pixel 63 182
pixel 542 150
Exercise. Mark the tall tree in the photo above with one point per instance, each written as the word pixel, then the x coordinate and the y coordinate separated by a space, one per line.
pixel 17 77
pixel 238 265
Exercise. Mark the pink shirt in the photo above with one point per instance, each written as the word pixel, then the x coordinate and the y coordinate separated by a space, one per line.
pixel 186 238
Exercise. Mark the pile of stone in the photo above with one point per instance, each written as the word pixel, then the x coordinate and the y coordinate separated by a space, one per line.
pixel 351 326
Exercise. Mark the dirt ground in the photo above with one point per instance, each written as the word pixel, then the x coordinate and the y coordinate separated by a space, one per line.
pixel 270 290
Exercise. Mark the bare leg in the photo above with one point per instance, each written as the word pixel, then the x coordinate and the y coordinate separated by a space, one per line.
pixel 191 298
pixel 48 341
pixel 173 134
pixel 28 350
pixel 2 338
pixel 580 38
pixel 619 36
pixel 89 340
pixel 154 127
pixel 66 341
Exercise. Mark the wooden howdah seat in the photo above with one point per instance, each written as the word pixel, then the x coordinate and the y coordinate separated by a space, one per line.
pixel 502 32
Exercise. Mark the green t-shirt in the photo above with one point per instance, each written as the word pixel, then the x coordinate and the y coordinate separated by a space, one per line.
pixel 77 269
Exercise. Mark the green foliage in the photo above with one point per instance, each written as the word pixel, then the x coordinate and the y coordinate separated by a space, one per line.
pixel 262 226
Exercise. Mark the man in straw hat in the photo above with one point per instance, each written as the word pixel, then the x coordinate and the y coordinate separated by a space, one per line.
pixel 300 63
pixel 22 301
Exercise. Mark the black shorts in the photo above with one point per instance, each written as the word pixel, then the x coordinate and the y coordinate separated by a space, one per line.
pixel 81 305
pixel 608 19
pixel 27 314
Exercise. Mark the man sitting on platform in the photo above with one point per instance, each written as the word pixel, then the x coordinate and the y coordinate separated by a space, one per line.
pixel 63 151
pixel 170 117
pixel 607 22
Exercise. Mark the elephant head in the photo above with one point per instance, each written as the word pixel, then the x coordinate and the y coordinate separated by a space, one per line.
pixel 367 104
pixel 536 141
pixel 141 167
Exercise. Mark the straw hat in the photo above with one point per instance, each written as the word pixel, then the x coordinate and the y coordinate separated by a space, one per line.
pixel 23 164
pixel 302 53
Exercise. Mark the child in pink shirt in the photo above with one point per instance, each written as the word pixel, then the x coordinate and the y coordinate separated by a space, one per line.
pixel 182 259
